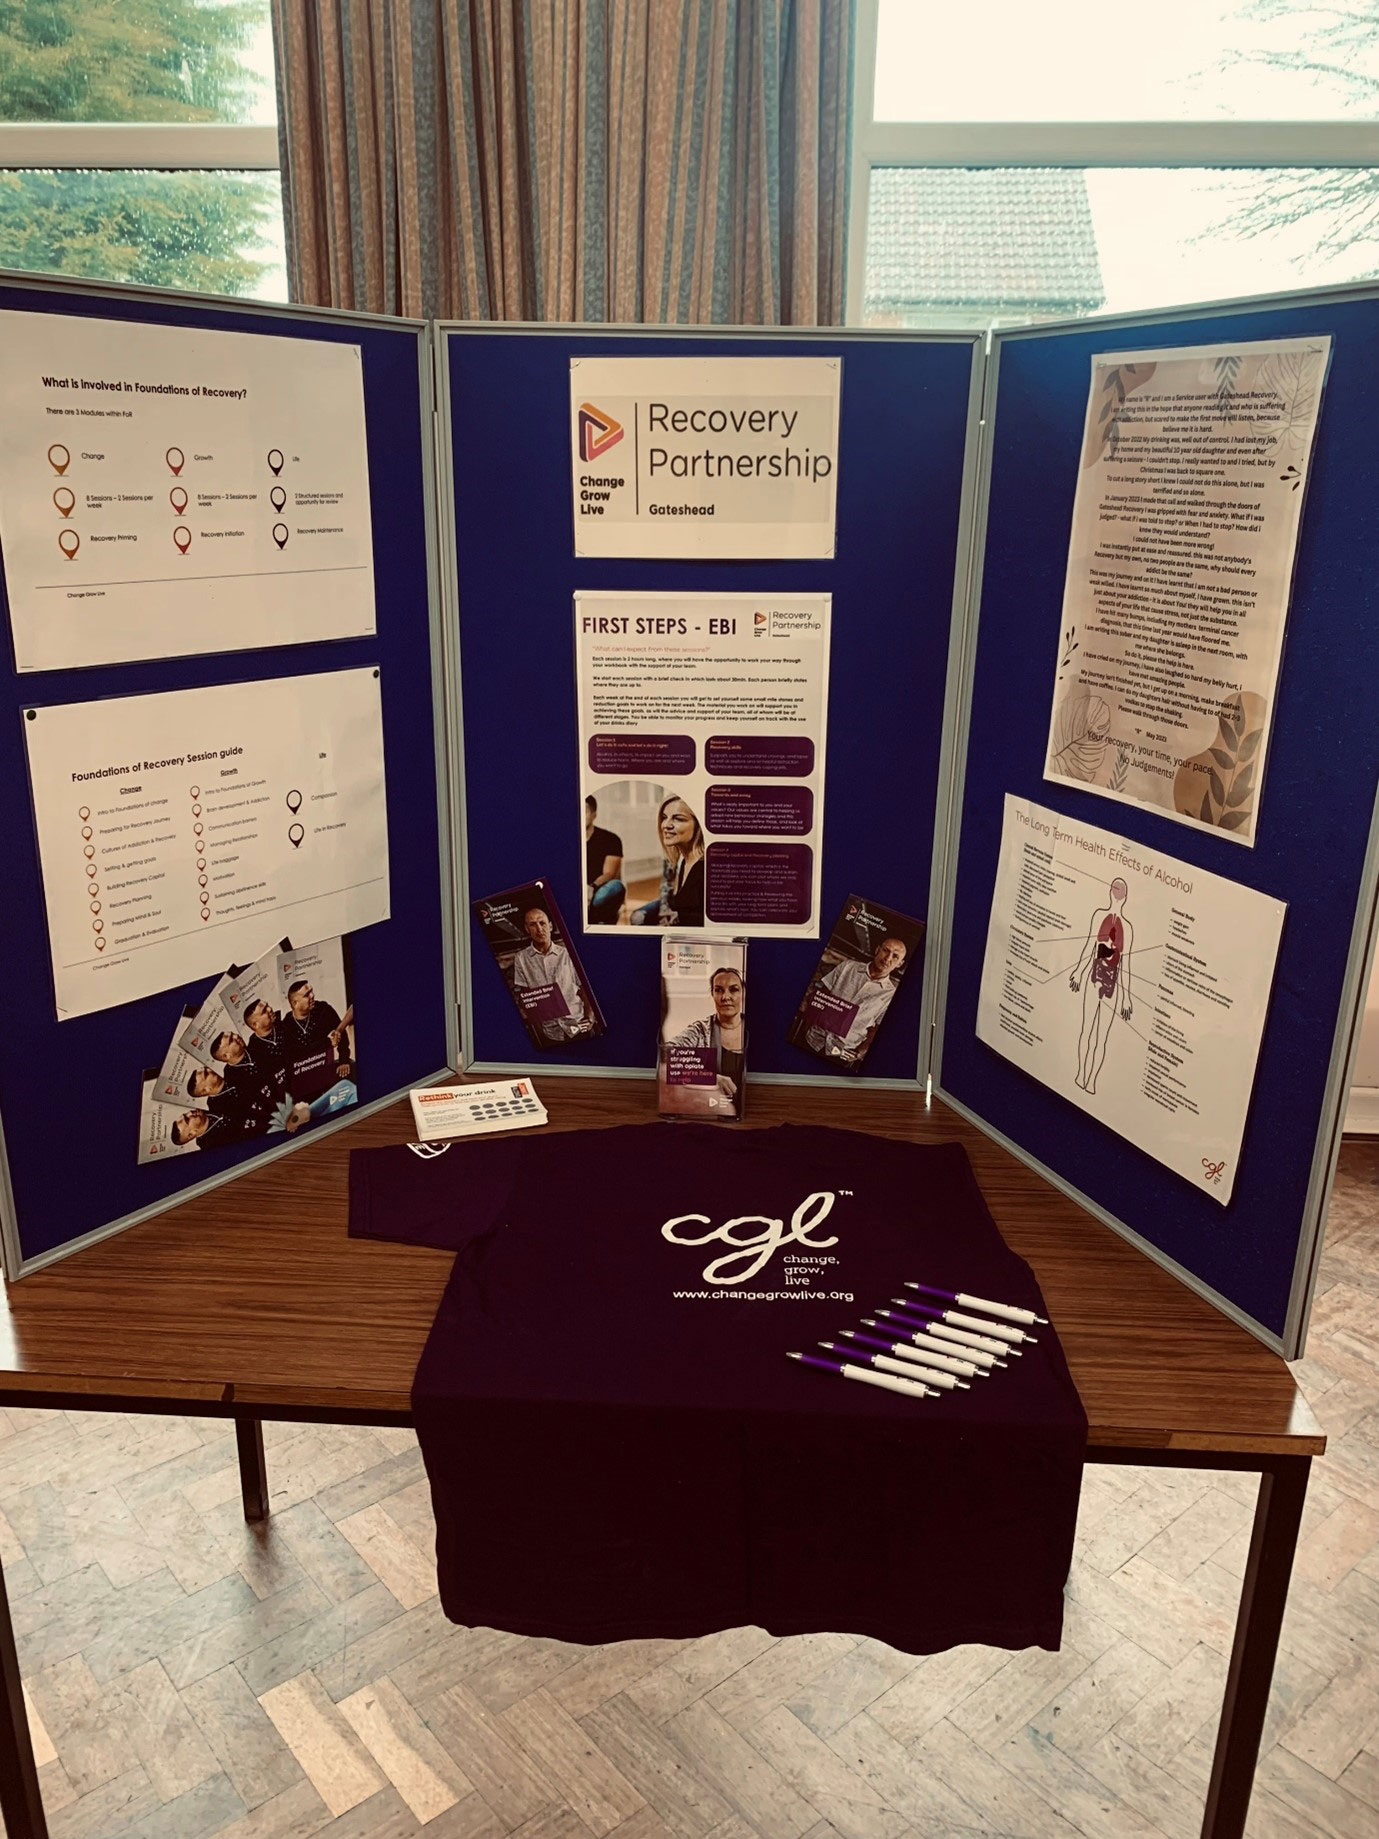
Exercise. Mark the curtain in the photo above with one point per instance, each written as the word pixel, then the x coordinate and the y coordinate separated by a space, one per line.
pixel 653 161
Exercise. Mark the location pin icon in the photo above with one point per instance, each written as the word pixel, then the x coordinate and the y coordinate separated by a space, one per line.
pixel 177 498
pixel 100 944
pixel 68 542
pixel 59 458
pixel 183 538
pixel 86 833
pixel 294 802
pixel 277 498
pixel 176 459
pixel 295 835
pixel 98 925
pixel 65 499
pixel 275 460
pixel 95 906
pixel 89 851
pixel 280 534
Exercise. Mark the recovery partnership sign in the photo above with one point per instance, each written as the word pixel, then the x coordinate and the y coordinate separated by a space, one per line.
pixel 714 457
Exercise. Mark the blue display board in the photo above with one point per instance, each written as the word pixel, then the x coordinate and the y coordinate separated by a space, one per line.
pixel 1315 817
pixel 906 417
pixel 70 1090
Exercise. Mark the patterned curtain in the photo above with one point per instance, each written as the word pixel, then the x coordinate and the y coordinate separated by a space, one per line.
pixel 652 161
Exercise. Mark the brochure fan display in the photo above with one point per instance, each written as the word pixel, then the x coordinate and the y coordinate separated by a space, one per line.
pixel 957 465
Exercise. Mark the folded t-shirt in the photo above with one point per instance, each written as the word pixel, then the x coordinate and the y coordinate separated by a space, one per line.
pixel 617 1444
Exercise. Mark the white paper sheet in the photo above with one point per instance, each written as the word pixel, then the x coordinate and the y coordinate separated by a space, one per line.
pixel 1180 566
pixel 712 707
pixel 166 491
pixel 704 456
pixel 1133 984
pixel 177 830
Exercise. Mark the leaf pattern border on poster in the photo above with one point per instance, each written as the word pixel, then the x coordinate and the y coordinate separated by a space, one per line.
pixel 1103 422
pixel 1295 378
pixel 1228 800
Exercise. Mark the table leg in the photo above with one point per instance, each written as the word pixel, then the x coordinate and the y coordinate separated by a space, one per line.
pixel 1278 1514
pixel 253 1472
pixel 21 1804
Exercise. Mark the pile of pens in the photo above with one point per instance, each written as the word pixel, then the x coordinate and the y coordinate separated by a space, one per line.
pixel 923 1349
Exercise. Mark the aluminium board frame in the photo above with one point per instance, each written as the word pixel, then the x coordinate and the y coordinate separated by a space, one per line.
pixel 442 332
pixel 1365 928
pixel 13 1264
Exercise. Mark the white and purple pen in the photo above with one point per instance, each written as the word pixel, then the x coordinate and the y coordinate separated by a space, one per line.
pixel 909 1388
pixel 937 1326
pixel 949 1355
pixel 1007 1311
pixel 997 1331
pixel 907 1369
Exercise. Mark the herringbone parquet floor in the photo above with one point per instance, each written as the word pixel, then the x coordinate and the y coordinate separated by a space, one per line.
pixel 190 1676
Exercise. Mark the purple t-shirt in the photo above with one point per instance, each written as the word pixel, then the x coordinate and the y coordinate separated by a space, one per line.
pixel 617 1444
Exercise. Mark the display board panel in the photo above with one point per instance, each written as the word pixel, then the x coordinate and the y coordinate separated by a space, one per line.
pixel 1313 841
pixel 70 1090
pixel 906 419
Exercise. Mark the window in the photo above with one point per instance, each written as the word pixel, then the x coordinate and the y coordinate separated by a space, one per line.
pixel 138 143
pixel 1087 156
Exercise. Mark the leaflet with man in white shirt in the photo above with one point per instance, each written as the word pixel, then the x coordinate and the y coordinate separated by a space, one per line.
pixel 869 952
pixel 532 948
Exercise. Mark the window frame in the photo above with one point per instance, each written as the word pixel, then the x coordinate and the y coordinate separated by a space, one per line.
pixel 1163 144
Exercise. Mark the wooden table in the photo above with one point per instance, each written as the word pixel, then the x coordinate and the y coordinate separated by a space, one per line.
pixel 251 1303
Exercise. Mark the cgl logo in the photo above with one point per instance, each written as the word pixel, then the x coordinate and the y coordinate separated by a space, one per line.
pixel 597 432
pixel 427 1150
pixel 757 1248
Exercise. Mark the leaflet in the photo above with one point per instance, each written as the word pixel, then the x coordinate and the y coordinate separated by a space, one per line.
pixel 1133 984
pixel 166 490
pixel 1180 566
pixel 702 736
pixel 175 830
pixel 704 456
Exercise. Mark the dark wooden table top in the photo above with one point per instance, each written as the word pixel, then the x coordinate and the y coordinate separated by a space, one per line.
pixel 253 1295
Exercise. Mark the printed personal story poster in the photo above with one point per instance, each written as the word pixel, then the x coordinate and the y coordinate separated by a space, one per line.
pixel 1133 984
pixel 870 952
pixel 1190 493
pixel 268 1052
pixel 174 829
pixel 168 490
pixel 537 960
pixel 701 1055
pixel 702 737
pixel 705 457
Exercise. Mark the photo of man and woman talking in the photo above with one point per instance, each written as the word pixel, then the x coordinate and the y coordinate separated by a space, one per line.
pixel 649 870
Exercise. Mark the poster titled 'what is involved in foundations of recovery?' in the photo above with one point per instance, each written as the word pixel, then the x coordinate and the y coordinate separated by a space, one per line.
pixel 1131 983
pixel 1189 496
pixel 177 831
pixel 704 457
pixel 701 743
pixel 167 491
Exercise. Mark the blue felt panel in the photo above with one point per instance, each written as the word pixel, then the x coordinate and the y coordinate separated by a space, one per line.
pixel 900 484
pixel 1315 810
pixel 902 440
pixel 69 1091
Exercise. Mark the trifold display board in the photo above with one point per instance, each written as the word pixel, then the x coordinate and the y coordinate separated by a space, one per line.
pixel 980 605
pixel 166 500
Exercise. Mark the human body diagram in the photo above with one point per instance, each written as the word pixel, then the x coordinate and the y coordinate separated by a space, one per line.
pixel 1102 973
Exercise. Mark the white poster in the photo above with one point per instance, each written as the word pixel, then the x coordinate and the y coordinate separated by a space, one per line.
pixel 1133 984
pixel 1185 525
pixel 704 456
pixel 166 491
pixel 176 831
pixel 702 723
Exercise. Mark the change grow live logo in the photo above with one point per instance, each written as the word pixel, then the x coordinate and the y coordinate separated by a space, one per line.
pixel 597 432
